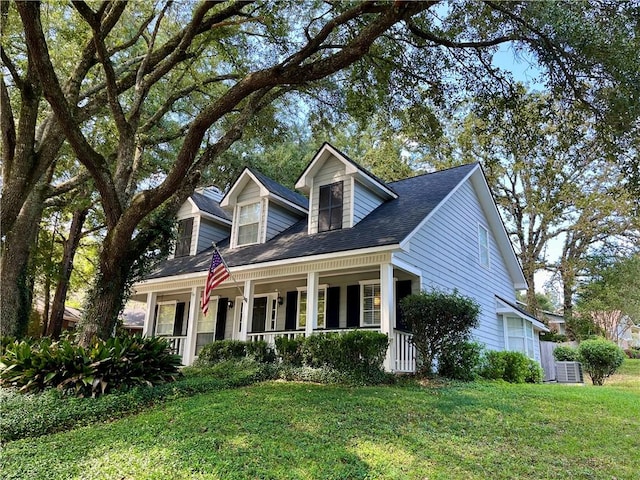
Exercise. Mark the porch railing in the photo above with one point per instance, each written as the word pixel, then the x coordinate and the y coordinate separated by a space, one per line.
pixel 405 360
pixel 177 344
pixel 270 337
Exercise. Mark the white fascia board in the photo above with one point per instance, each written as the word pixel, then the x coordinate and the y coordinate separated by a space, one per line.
pixel 315 258
pixel 237 187
pixel 538 325
pixel 173 278
pixel 215 218
pixel 407 267
pixel 405 242
pixel 287 203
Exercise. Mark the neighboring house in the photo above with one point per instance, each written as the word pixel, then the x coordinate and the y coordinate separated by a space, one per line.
pixel 339 258
pixel 70 317
pixel 635 336
pixel 555 321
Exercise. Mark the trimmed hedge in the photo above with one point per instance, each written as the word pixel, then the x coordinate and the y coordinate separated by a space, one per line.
pixel 115 364
pixel 461 361
pixel 512 367
pixel 564 353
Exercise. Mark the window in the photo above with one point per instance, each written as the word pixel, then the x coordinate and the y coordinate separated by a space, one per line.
pixel 483 246
pixel 183 243
pixel 302 307
pixel 166 318
pixel 206 326
pixel 248 223
pixel 519 335
pixel 370 294
pixel 330 207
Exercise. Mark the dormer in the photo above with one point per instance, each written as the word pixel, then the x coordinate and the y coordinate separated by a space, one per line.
pixel 341 193
pixel 201 222
pixel 261 208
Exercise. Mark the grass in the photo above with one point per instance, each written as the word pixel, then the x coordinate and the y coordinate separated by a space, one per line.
pixel 306 431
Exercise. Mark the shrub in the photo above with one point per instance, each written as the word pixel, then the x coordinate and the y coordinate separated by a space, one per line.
pixel 437 321
pixel 535 373
pixel 564 353
pixel 632 352
pixel 115 364
pixel 600 358
pixel 512 367
pixel 260 351
pixel 461 361
pixel 356 352
pixel 290 350
pixel 222 350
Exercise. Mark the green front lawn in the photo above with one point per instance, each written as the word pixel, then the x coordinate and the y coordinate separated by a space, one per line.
pixel 307 431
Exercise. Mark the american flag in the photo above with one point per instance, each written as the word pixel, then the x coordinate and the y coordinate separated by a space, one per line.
pixel 218 273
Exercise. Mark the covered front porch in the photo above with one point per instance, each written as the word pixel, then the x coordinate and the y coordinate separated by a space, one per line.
pixel 292 300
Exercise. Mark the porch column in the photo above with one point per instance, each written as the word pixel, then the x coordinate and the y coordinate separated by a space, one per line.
pixel 247 311
pixel 190 341
pixel 147 329
pixel 313 279
pixel 388 312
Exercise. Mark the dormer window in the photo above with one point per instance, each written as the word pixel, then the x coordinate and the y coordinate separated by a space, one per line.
pixel 183 243
pixel 248 223
pixel 330 207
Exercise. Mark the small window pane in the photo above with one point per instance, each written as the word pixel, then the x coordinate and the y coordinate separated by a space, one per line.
pixel 248 223
pixel 166 318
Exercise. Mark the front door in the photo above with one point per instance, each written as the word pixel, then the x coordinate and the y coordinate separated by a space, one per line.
pixel 259 316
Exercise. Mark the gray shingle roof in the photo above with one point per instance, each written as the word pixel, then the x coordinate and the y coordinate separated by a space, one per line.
pixel 280 190
pixel 389 224
pixel 209 205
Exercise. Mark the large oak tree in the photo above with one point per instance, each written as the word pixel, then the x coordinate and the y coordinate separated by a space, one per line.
pixel 153 95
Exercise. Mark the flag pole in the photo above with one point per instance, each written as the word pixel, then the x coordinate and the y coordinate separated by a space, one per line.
pixel 224 262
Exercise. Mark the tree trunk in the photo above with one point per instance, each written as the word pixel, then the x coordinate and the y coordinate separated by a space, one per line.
pixel 532 302
pixel 66 267
pixel 15 275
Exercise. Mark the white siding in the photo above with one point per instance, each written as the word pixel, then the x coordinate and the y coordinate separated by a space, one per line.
pixel 364 202
pixel 332 171
pixel 209 232
pixel 278 220
pixel 251 192
pixel 446 250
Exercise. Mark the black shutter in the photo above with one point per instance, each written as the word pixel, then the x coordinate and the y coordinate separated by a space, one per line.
pixel 353 306
pixel 333 307
pixel 179 320
pixel 403 289
pixel 221 318
pixel 291 311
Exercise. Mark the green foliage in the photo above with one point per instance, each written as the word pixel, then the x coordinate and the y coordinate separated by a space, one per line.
pixel 632 353
pixel 358 352
pixel 535 372
pixel 289 350
pixel 260 351
pixel 552 337
pixel 222 350
pixel 33 415
pixel 512 367
pixel 565 353
pixel 438 321
pixel 115 364
pixel 600 358
pixel 461 361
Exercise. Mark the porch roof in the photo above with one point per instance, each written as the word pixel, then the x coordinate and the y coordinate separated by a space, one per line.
pixel 389 224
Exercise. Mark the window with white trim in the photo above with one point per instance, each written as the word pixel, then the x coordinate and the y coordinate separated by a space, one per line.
pixel 519 336
pixel 206 325
pixel 483 246
pixel 248 224
pixel 370 307
pixel 165 318
pixel 302 307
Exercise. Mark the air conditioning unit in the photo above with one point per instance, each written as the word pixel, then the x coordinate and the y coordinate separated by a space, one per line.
pixel 569 372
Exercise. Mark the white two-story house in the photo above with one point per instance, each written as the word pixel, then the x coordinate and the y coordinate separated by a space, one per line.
pixel 338 256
